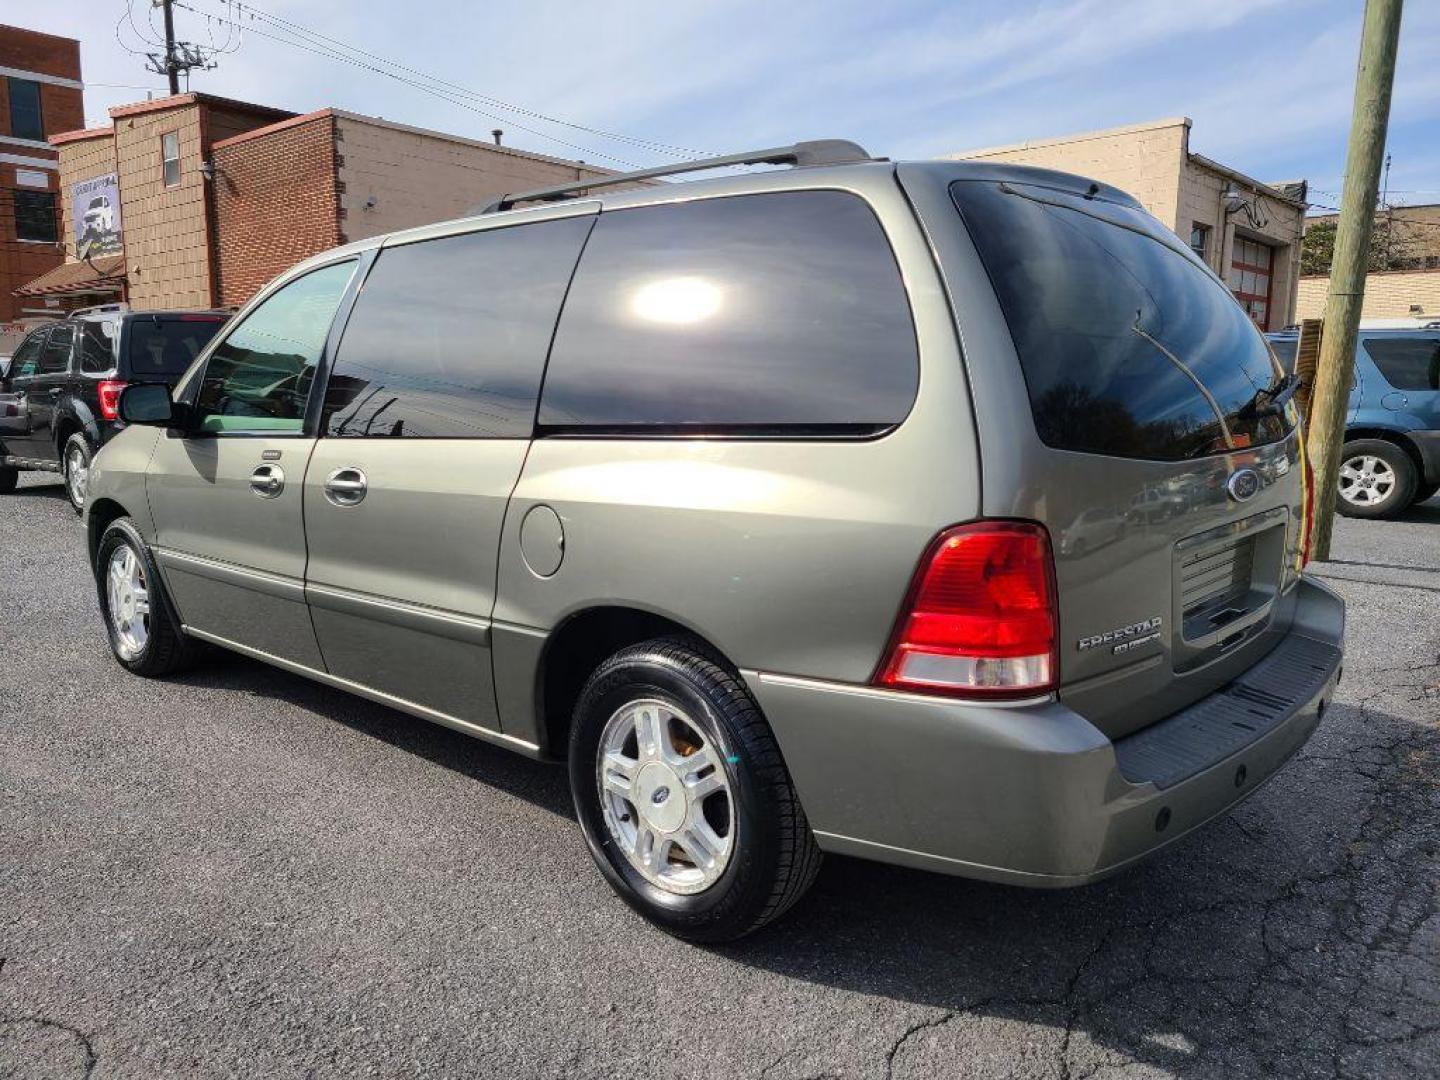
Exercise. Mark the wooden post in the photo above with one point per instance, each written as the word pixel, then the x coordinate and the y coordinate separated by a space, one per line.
pixel 1379 41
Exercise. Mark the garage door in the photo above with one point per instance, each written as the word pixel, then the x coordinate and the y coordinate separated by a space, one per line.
pixel 1250 263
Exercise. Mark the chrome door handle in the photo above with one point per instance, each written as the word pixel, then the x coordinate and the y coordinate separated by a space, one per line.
pixel 345 487
pixel 267 481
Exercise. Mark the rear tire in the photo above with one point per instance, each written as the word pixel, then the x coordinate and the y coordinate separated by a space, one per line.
pixel 75 467
pixel 697 826
pixel 1377 479
pixel 144 632
pixel 9 477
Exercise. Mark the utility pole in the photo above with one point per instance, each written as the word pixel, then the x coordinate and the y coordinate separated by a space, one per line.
pixel 178 55
pixel 172 68
pixel 1379 41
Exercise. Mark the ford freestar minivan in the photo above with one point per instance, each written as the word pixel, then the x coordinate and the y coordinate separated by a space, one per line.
pixel 945 514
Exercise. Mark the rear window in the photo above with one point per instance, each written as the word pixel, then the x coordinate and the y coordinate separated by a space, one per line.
pixel 167 346
pixel 1407 363
pixel 1285 349
pixel 779 313
pixel 1129 347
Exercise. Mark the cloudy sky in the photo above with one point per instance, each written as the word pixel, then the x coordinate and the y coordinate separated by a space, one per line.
pixel 1268 83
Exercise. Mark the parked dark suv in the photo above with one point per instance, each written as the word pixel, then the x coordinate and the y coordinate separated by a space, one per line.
pixel 57 401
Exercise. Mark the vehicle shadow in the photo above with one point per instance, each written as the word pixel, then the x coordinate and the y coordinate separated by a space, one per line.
pixel 540 783
pixel 1165 965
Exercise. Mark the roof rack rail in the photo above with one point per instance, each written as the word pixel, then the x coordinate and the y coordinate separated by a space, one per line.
pixel 815 152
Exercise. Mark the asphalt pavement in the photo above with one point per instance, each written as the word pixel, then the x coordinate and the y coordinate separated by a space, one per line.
pixel 240 873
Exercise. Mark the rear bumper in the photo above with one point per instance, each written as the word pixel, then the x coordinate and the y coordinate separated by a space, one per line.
pixel 1032 793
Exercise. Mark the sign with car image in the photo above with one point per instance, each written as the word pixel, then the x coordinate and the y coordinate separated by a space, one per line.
pixel 95 211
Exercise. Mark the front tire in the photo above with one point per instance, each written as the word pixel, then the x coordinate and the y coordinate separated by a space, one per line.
pixel 144 634
pixel 1377 479
pixel 683 797
pixel 9 477
pixel 75 463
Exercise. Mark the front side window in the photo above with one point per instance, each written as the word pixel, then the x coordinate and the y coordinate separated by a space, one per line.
pixel 1127 345
pixel 1407 362
pixel 779 313
pixel 26 120
pixel 56 357
pixel 35 216
pixel 170 157
pixel 448 337
pixel 26 360
pixel 258 379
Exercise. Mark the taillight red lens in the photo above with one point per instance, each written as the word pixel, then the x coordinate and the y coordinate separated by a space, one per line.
pixel 980 616
pixel 110 397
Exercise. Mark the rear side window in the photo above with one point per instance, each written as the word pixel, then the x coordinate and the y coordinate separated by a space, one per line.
pixel 1128 345
pixel 752 314
pixel 167 346
pixel 1407 363
pixel 97 347
pixel 448 337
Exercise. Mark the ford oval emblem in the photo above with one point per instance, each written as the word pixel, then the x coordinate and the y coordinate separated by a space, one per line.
pixel 1243 485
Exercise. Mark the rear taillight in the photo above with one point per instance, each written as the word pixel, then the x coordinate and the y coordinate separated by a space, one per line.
pixel 1307 502
pixel 979 620
pixel 110 397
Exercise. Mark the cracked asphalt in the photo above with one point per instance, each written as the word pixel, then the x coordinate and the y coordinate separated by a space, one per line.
pixel 240 873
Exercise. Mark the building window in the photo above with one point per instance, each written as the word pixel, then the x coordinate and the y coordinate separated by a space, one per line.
pixel 170 157
pixel 35 216
pixel 25 119
pixel 1200 241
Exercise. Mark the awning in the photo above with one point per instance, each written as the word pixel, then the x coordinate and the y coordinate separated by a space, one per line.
pixel 99 275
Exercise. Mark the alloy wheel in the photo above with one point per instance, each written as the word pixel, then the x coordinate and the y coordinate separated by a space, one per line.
pixel 665 796
pixel 77 475
pixel 129 602
pixel 1366 480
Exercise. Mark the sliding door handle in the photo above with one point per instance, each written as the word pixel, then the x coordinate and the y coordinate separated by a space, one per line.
pixel 345 487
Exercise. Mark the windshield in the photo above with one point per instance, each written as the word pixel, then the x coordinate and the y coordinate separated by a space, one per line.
pixel 1129 346
pixel 166 346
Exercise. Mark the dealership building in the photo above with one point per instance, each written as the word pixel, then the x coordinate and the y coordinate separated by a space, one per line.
pixel 195 201
pixel 1247 231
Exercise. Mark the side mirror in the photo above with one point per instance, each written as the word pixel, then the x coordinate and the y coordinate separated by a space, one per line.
pixel 147 403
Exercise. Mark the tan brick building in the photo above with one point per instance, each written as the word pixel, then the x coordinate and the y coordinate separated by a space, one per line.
pixel 201 200
pixel 286 191
pixel 40 95
pixel 1247 231
pixel 1389 294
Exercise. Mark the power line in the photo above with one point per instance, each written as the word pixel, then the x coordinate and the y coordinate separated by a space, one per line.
pixel 509 106
pixel 299 37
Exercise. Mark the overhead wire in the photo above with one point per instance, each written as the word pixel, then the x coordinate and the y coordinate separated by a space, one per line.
pixel 316 46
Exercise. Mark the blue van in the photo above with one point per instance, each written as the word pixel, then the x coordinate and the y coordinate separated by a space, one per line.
pixel 1392 429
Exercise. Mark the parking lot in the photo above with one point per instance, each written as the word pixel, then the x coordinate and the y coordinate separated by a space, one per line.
pixel 243 873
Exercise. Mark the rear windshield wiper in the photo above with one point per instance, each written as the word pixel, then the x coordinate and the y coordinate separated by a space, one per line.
pixel 1277 399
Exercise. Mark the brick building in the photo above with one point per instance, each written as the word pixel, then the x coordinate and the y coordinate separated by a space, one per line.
pixel 1247 231
pixel 40 94
pixel 206 199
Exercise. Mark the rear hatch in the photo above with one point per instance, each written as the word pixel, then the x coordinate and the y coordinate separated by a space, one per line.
pixel 1155 445
pixel 160 346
